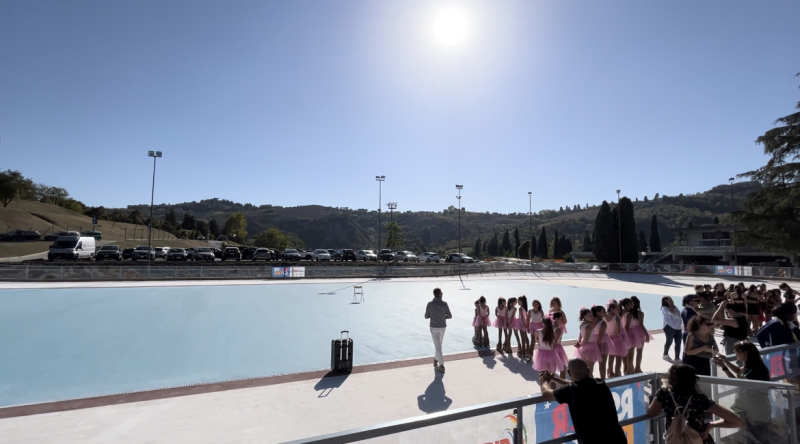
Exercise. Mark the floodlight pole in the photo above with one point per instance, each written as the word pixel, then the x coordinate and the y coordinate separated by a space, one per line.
pixel 391 206
pixel 155 155
pixel 735 252
pixel 619 227
pixel 459 188
pixel 380 180
pixel 530 219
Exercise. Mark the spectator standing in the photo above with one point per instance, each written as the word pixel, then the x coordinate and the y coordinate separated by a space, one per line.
pixel 689 311
pixel 781 329
pixel 438 312
pixel 734 326
pixel 680 391
pixel 591 404
pixel 700 345
pixel 672 324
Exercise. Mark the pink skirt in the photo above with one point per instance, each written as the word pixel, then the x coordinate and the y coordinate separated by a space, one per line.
pixel 547 360
pixel 519 326
pixel 562 355
pixel 535 326
pixel 481 322
pixel 605 345
pixel 588 352
pixel 499 323
pixel 637 336
pixel 618 347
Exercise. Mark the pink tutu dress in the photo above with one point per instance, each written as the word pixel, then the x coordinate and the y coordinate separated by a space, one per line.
pixel 563 327
pixel 500 322
pixel 521 323
pixel 482 320
pixel 588 351
pixel 619 340
pixel 536 322
pixel 605 341
pixel 559 349
pixel 545 357
pixel 511 318
pixel 637 335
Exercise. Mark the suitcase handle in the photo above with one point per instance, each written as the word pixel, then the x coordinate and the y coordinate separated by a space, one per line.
pixel 341 335
pixel 341 349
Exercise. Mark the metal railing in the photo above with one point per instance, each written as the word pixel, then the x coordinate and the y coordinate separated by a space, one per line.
pixel 480 423
pixel 111 272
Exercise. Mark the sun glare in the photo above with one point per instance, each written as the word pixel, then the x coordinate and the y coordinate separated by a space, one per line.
pixel 450 27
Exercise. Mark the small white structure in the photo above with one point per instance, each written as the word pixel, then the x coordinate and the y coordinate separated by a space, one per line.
pixel 358 294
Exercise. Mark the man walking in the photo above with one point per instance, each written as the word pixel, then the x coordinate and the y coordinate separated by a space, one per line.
pixel 438 312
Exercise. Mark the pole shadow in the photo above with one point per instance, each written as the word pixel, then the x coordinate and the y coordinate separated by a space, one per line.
pixel 434 399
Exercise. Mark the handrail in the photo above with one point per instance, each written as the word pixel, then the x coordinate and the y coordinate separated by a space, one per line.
pixel 419 422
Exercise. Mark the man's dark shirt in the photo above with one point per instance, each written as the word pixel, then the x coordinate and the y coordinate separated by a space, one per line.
pixel 593 411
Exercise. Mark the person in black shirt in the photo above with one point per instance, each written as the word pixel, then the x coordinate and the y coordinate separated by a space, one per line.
pixel 734 327
pixel 754 367
pixel 690 303
pixel 591 404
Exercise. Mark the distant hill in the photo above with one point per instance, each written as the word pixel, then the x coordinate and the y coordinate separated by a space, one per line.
pixel 329 227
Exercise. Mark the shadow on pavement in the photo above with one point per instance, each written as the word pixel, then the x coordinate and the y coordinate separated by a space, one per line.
pixel 329 382
pixel 647 279
pixel 519 367
pixel 434 398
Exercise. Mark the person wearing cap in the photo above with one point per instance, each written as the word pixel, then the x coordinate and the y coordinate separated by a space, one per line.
pixel 690 303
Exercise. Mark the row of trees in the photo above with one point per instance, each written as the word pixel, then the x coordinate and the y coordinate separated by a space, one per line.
pixel 558 248
pixel 615 239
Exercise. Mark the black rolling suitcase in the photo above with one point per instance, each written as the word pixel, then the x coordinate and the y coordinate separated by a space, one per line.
pixel 342 354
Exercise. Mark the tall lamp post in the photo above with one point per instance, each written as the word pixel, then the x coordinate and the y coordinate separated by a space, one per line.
pixel 735 252
pixel 530 218
pixel 391 206
pixel 619 227
pixel 155 155
pixel 459 188
pixel 380 180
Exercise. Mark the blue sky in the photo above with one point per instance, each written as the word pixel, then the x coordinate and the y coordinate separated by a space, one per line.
pixel 305 102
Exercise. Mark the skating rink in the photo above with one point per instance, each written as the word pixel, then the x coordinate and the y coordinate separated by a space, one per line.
pixel 72 340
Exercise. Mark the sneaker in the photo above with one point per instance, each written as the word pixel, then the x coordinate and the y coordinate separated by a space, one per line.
pixel 440 368
pixel 435 363
pixel 666 358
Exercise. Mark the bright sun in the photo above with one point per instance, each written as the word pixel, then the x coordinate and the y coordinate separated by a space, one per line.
pixel 450 27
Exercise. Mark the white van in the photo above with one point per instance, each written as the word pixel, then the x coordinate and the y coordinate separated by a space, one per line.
pixel 72 247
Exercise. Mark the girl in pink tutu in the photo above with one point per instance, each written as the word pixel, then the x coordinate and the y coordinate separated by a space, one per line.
pixel 482 323
pixel 500 321
pixel 475 325
pixel 600 336
pixel 535 316
pixel 511 318
pixel 521 327
pixel 586 347
pixel 546 358
pixel 637 334
pixel 558 321
pixel 618 351
pixel 555 305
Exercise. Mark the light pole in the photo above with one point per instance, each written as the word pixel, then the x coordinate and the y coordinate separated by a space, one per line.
pixel 459 188
pixel 619 227
pixel 392 206
pixel 530 215
pixel 155 155
pixel 380 180
pixel 735 252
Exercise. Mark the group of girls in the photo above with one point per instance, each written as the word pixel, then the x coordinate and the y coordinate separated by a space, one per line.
pixel 612 337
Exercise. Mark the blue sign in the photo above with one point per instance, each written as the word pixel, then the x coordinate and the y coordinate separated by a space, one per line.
pixel 726 270
pixel 553 420
pixel 94 220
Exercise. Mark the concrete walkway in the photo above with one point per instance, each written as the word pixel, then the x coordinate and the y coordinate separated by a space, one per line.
pixel 293 410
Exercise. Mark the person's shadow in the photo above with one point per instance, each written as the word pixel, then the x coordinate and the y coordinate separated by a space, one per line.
pixel 434 399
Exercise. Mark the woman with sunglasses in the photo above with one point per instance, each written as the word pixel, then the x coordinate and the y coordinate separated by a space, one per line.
pixel 700 345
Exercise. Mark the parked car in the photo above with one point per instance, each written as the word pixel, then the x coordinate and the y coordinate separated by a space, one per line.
pixel 333 254
pixel 247 253
pixel 262 254
pixel 177 254
pixel 386 255
pixel 72 247
pixel 306 254
pixel 161 252
pixel 320 255
pixel 345 254
pixel 458 257
pixel 201 238
pixel 189 253
pixel 217 253
pixel 54 236
pixel 127 253
pixel 231 253
pixel 108 252
pixel 222 238
pixel 290 254
pixel 141 252
pixel 429 256
pixel 203 254
pixel 95 234
pixel 20 236
pixel 366 255
pixel 406 256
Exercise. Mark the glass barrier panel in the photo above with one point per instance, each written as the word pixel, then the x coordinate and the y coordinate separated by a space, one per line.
pixel 764 411
pixel 494 428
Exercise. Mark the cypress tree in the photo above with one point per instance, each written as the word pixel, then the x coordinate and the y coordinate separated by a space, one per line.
pixel 563 246
pixel 569 246
pixel 642 241
pixel 476 251
pixel 516 242
pixel 615 215
pixel 604 243
pixel 557 247
pixel 506 244
pixel 533 247
pixel 524 250
pixel 542 250
pixel 655 239
pixel 630 247
pixel 587 242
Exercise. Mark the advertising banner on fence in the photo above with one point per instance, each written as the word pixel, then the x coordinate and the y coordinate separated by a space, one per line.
pixel 726 270
pixel 288 272
pixel 553 420
pixel 782 363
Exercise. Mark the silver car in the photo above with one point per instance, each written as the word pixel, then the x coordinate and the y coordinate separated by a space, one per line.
pixel 366 255
pixel 162 252
pixel 203 254
pixel 429 257
pixel 406 256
